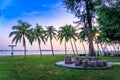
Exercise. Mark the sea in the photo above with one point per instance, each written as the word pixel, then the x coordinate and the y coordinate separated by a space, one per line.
pixel 35 52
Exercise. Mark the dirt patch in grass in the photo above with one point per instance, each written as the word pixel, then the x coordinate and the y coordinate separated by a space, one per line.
pixel 41 65
pixel 53 72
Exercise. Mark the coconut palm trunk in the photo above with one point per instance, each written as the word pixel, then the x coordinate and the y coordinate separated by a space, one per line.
pixel 65 48
pixel 76 47
pixel 72 46
pixel 25 51
pixel 114 48
pixel 113 51
pixel 119 49
pixel 106 49
pixel 84 47
pixel 24 45
pixel 109 50
pixel 51 47
pixel 12 52
pixel 102 48
pixel 39 47
pixel 110 47
pixel 98 50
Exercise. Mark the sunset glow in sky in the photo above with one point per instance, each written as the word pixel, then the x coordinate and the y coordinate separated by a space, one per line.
pixel 44 12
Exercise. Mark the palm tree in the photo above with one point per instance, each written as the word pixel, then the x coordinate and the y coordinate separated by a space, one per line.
pixel 39 35
pixel 76 47
pixel 73 32
pixel 83 36
pixel 62 34
pixel 67 33
pixel 22 32
pixel 96 33
pixel 51 33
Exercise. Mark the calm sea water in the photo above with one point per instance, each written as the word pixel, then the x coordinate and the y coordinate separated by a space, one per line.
pixel 32 52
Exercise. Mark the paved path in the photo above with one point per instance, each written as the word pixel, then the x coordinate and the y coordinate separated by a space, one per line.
pixel 72 65
pixel 114 63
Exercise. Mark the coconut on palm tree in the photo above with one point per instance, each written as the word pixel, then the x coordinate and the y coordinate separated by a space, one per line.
pixel 22 32
pixel 39 35
pixel 51 33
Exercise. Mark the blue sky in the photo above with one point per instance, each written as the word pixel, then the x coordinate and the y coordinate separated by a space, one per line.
pixel 44 12
pixel 16 8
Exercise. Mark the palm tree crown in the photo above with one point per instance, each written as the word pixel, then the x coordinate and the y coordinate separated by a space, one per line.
pixel 66 32
pixel 21 32
pixel 51 32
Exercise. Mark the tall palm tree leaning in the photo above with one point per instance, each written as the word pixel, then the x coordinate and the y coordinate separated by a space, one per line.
pixel 51 33
pixel 67 34
pixel 39 35
pixel 62 34
pixel 83 36
pixel 22 32
pixel 76 47
pixel 73 33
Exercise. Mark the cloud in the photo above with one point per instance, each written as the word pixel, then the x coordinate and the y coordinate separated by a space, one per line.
pixel 51 9
pixel 32 13
pixel 5 3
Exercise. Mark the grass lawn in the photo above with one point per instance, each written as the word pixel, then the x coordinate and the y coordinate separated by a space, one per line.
pixel 35 67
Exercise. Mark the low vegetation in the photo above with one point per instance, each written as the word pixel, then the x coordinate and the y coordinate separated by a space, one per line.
pixel 35 67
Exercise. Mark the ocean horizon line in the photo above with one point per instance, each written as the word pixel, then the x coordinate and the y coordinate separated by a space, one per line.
pixel 34 52
pixel 37 50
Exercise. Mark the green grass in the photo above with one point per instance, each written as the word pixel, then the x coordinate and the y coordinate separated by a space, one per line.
pixel 35 67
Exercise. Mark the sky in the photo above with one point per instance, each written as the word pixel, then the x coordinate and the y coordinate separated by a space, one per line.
pixel 43 12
